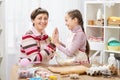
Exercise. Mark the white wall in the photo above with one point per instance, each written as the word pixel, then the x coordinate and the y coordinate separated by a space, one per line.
pixel 18 21
pixel 2 38
pixel 18 17
pixel 57 13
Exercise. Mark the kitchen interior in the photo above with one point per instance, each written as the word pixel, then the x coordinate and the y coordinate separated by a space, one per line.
pixel 101 24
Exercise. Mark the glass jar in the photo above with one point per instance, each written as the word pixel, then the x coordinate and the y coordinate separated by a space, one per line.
pixel 111 60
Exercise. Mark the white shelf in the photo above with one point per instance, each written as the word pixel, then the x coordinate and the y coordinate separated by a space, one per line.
pixel 95 2
pixel 94 26
pixel 117 27
pixel 112 1
pixel 111 51
pixel 105 32
pixel 96 45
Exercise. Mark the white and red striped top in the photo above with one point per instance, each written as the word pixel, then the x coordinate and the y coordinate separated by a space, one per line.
pixel 37 47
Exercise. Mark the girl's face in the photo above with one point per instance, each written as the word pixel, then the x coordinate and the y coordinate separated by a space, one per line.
pixel 40 22
pixel 70 23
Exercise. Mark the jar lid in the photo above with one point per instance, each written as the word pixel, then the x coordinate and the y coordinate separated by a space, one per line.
pixel 112 39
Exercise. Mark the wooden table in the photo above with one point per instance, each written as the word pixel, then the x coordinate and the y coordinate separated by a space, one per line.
pixel 60 77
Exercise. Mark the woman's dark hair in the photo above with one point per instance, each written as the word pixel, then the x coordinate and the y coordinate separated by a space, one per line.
pixel 38 11
pixel 77 14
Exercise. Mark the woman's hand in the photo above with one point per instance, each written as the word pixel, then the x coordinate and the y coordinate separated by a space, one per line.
pixel 55 36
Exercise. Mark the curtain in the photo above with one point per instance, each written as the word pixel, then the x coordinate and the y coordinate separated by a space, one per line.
pixel 18 20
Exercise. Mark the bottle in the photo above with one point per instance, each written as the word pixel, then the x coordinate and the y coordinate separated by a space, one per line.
pixel 111 60
pixel 99 14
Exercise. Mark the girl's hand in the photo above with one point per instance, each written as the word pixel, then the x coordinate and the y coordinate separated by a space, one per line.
pixel 56 34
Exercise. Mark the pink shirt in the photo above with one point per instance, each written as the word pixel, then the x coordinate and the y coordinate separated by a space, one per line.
pixel 77 42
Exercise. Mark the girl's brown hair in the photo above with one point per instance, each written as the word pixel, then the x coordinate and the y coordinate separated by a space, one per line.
pixel 77 14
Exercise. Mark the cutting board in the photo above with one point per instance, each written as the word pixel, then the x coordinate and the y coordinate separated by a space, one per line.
pixel 77 69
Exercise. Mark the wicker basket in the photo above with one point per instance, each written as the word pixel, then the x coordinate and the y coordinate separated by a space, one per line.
pixel 114 21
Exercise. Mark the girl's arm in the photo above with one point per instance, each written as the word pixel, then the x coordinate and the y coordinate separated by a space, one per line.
pixel 62 44
pixel 77 42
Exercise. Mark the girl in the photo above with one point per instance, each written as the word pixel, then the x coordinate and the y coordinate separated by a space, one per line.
pixel 77 48
pixel 36 45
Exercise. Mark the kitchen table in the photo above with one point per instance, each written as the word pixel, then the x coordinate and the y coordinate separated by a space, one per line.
pixel 14 75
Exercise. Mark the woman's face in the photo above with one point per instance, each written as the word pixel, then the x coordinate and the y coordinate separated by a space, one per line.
pixel 70 23
pixel 40 22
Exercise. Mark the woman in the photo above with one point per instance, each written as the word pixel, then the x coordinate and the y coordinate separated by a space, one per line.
pixel 36 45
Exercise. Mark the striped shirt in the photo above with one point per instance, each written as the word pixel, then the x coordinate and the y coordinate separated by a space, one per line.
pixel 37 47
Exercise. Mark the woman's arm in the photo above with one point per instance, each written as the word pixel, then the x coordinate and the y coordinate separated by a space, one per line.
pixel 30 47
